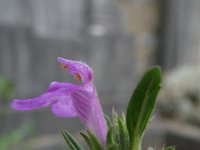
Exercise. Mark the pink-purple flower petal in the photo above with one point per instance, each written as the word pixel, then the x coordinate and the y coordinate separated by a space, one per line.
pixel 70 100
pixel 76 68
pixel 55 92
pixel 64 107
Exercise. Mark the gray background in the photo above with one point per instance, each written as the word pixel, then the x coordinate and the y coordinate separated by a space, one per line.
pixel 118 39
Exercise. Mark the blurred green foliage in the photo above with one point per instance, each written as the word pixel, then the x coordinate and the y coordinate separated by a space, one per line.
pixel 14 137
pixel 6 93
pixel 9 138
pixel 6 88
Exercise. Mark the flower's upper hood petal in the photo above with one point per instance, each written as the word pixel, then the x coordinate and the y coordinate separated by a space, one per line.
pixel 79 70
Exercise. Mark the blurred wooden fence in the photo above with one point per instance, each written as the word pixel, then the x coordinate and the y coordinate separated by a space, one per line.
pixel 34 32
pixel 180 33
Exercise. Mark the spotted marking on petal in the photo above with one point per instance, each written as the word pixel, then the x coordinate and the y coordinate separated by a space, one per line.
pixel 64 66
pixel 77 76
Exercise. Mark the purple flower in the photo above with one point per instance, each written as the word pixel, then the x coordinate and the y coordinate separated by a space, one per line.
pixel 71 100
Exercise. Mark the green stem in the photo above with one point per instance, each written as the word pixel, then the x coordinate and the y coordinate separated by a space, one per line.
pixel 136 144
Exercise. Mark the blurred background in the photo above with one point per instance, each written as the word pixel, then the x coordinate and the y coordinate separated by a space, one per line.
pixel 119 39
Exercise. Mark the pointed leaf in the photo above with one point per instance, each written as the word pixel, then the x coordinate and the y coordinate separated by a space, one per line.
pixel 108 121
pixel 113 147
pixel 110 137
pixel 115 125
pixel 142 104
pixel 95 141
pixel 92 141
pixel 123 133
pixel 73 144
pixel 114 118
pixel 87 139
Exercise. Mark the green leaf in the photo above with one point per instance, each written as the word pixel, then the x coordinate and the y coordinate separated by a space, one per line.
pixel 96 143
pixel 92 141
pixel 115 118
pixel 170 148
pixel 108 121
pixel 123 117
pixel 141 105
pixel 87 139
pixel 113 147
pixel 123 133
pixel 71 141
pixel 115 125
pixel 110 137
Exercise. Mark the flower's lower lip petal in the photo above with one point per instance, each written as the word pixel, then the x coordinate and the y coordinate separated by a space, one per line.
pixel 64 107
pixel 29 104
pixel 55 91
